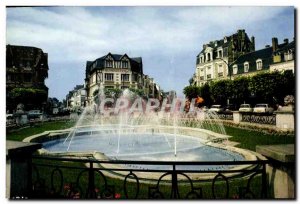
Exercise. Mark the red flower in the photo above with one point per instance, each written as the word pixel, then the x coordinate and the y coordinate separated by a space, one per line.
pixel 117 195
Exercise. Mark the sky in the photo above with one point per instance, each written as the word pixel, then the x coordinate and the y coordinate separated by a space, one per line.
pixel 167 38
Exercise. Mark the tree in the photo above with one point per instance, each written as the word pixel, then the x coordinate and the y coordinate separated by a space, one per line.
pixel 206 94
pixel 30 97
pixel 191 91
pixel 221 91
pixel 240 90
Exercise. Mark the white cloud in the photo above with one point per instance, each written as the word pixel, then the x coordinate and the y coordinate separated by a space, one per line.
pixel 77 34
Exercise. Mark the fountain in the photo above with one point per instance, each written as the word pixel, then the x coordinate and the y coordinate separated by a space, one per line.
pixel 144 133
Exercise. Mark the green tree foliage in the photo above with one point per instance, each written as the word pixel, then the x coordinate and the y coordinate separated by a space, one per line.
pixel 205 94
pixel 32 97
pixel 192 91
pixel 272 87
pixel 240 92
pixel 221 91
pixel 261 88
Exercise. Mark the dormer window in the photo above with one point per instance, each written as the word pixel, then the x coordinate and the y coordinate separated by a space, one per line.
pixel 109 63
pixel 246 67
pixel 259 64
pixel 220 53
pixel 225 40
pixel 208 57
pixel 201 58
pixel 288 55
pixel 235 69
pixel 125 64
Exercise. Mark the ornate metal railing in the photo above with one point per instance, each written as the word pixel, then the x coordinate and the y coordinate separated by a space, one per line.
pixel 225 116
pixel 259 118
pixel 69 178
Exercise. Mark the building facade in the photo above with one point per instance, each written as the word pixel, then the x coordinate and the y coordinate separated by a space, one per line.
pixel 115 71
pixel 213 61
pixel 26 71
pixel 283 56
pixel 76 99
pixel 278 57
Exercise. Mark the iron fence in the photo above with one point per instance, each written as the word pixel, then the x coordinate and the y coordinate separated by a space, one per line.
pixel 226 116
pixel 259 118
pixel 84 183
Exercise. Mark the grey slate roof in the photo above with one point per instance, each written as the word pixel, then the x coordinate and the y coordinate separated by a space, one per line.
pixel 136 63
pixel 264 54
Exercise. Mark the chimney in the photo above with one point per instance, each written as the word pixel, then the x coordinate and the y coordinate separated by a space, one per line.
pixel 274 44
pixel 204 46
pixel 253 42
pixel 286 41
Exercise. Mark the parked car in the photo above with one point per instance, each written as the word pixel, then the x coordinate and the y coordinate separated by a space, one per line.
pixel 216 108
pixel 246 108
pixel 263 108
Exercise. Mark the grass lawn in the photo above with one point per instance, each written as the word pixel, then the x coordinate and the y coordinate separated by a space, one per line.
pixel 248 139
pixel 20 134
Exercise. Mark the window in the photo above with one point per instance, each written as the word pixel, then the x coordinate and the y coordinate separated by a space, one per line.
pixel 259 64
pixel 109 63
pixel 201 77
pixel 124 87
pixel 208 56
pixel 125 64
pixel 288 56
pixel 109 77
pixel 246 67
pixel 220 54
pixel 209 76
pixel 208 67
pixel 99 77
pixel 201 58
pixel 125 77
pixel 220 68
pixel 235 69
pixel 135 77
pixel 109 87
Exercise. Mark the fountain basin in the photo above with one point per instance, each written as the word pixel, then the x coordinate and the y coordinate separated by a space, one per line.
pixel 143 143
pixel 193 144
